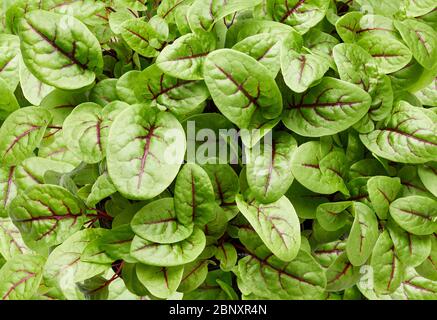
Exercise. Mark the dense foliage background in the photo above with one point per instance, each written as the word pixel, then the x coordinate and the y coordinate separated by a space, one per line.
pixel 96 99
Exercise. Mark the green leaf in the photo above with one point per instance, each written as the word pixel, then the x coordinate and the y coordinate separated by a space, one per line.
pixel 60 103
pixel 363 235
pixel 382 98
pixel 86 132
pixel 269 170
pixel 60 50
pixel 144 161
pixel 249 27
pixel 11 242
pixel 64 267
pixel 54 147
pixel 141 37
pixel 227 255
pixel 411 184
pixel 353 26
pixel 169 255
pixel 210 289
pixel 158 222
pixel 116 19
pixel 127 86
pixel 263 47
pixel 194 275
pixel 309 170
pixel 181 97
pixel 184 58
pixel 202 15
pixel 95 288
pixel 389 54
pixel 83 10
pixel 320 43
pixel 327 253
pixel 131 281
pixel 162 282
pixel 300 14
pixel 167 8
pixel 33 89
pixel 8 103
pixel 341 274
pixel 276 223
pixel 355 65
pixel 20 277
pixel 101 189
pixel 408 136
pixel 94 254
pixel 415 214
pixel 428 176
pixel 230 292
pixel 21 134
pixel 225 183
pixel 8 188
pixel 9 60
pixel 216 229
pixel 412 250
pixel 304 201
pixel 46 215
pixel 271 278
pixel 419 288
pixel 300 69
pixel 104 92
pixel 428 268
pixel 117 242
pixel 330 107
pixel 388 270
pixel 382 192
pixel 241 86
pixel 421 39
pixel 32 171
pixel 194 196
pixel 428 95
pixel 333 215
pixel 320 235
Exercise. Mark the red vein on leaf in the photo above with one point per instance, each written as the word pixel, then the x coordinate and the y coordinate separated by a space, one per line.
pixel 240 88
pixel 292 10
pixel 21 136
pixel 415 213
pixel 146 153
pixel 193 56
pixel 68 55
pixel 16 284
pixel 193 197
pixel 342 273
pixel 9 184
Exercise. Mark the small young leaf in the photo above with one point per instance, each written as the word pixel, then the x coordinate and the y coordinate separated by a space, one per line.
pixel 388 270
pixel 382 191
pixel 276 223
pixel 21 277
pixel 162 282
pixel 158 222
pixel 169 255
pixel 415 214
pixel 194 196
pixel 143 161
pixel 363 235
